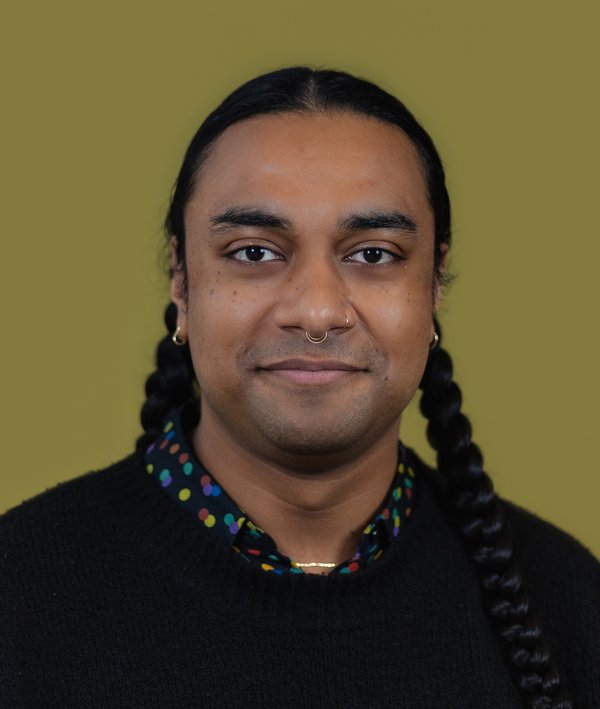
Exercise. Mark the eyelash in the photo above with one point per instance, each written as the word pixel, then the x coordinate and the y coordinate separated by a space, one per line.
pixel 394 257
pixel 233 255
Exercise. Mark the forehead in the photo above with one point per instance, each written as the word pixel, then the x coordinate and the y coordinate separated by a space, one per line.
pixel 322 162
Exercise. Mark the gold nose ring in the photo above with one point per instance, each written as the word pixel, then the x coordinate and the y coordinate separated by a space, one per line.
pixel 323 337
pixel 316 340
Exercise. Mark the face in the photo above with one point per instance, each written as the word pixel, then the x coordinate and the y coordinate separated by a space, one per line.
pixel 315 224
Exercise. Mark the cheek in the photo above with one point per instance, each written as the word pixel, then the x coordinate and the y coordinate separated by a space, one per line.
pixel 401 325
pixel 220 317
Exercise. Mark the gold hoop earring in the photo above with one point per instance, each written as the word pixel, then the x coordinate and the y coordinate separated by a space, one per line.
pixel 316 340
pixel 177 339
pixel 435 340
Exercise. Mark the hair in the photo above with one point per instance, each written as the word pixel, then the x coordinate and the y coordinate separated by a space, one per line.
pixel 468 495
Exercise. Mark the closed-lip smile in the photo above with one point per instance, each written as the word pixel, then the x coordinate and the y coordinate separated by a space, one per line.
pixel 311 371
pixel 311 365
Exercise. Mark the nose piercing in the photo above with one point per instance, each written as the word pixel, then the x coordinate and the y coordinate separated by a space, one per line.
pixel 323 337
pixel 316 340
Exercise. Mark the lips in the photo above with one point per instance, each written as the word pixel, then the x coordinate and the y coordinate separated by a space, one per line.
pixel 312 365
pixel 311 371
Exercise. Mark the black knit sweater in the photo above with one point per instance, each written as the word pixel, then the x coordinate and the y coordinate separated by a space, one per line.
pixel 112 596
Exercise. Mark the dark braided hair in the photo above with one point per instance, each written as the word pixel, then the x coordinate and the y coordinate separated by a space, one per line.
pixel 468 493
pixel 171 384
pixel 474 508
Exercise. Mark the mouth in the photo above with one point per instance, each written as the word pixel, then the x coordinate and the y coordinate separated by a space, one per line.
pixel 311 371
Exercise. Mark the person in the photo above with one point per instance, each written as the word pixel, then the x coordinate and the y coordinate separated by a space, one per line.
pixel 271 542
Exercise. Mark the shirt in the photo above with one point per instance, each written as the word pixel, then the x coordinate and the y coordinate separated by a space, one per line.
pixel 173 464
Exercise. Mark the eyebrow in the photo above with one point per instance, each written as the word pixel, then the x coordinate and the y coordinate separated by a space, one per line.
pixel 373 219
pixel 377 219
pixel 250 216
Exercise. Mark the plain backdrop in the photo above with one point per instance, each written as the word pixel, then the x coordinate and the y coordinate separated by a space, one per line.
pixel 99 102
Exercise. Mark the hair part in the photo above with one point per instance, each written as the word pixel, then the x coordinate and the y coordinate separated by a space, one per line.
pixel 302 90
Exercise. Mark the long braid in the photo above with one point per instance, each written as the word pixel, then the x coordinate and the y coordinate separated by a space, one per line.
pixel 170 385
pixel 475 509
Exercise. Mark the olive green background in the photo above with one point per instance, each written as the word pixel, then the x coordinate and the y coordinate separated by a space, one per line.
pixel 99 102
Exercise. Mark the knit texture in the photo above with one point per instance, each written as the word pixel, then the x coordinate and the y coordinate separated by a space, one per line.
pixel 111 595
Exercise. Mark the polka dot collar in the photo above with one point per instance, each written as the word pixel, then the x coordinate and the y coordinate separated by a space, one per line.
pixel 174 466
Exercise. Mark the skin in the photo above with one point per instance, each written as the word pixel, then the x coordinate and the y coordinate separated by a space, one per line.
pixel 304 436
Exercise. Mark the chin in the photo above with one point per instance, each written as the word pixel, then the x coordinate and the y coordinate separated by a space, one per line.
pixel 320 439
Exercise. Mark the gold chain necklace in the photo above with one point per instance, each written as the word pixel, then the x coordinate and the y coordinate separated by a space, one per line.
pixel 316 564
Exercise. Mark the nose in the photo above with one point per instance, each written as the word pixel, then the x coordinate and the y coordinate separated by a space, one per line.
pixel 315 300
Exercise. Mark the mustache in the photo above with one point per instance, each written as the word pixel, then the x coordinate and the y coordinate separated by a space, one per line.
pixel 258 356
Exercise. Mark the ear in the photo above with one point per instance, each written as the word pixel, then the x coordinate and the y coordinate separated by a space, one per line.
pixel 437 288
pixel 178 295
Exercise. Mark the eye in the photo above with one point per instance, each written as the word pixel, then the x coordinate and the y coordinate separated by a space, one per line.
pixel 373 255
pixel 254 254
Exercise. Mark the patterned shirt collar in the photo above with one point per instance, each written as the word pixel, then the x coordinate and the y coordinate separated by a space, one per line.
pixel 173 464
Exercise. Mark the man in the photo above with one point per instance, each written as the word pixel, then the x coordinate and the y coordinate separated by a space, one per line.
pixel 271 542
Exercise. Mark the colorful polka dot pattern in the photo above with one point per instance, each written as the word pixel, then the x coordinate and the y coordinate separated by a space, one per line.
pixel 174 466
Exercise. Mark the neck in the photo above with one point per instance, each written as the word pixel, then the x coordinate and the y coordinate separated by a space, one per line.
pixel 313 515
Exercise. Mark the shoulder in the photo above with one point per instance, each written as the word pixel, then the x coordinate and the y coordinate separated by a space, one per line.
pixel 562 581
pixel 547 551
pixel 562 575
pixel 68 541
pixel 80 493
pixel 555 564
pixel 61 517
pixel 561 585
